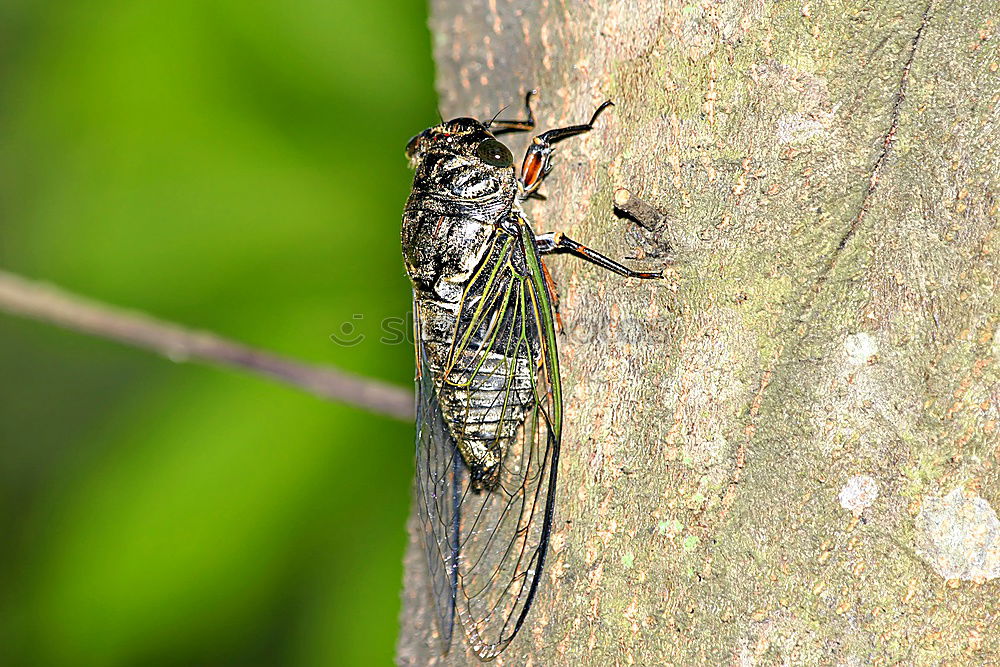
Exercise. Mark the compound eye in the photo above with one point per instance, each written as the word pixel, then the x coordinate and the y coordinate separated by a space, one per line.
pixel 495 154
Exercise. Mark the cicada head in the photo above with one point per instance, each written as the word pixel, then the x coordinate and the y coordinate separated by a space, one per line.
pixel 461 170
pixel 462 138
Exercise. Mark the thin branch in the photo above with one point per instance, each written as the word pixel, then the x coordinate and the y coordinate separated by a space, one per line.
pixel 35 300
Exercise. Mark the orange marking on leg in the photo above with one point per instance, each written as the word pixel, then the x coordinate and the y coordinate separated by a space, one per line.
pixel 531 171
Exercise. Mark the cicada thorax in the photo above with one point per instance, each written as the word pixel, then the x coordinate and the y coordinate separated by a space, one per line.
pixel 482 351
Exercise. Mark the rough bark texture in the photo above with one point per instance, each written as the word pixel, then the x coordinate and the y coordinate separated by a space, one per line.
pixel 787 451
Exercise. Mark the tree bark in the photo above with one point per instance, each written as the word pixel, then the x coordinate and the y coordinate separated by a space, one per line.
pixel 787 450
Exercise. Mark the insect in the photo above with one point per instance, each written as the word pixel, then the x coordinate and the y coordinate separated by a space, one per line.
pixel 489 399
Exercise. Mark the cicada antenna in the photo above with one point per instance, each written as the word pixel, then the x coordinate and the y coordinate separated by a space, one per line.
pixel 495 116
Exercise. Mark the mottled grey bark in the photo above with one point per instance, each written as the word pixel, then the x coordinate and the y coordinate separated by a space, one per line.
pixel 787 451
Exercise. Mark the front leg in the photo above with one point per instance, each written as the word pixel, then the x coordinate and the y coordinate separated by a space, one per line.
pixel 538 157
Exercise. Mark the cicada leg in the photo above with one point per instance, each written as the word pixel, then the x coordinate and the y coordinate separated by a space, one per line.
pixel 559 242
pixel 497 126
pixel 550 285
pixel 537 159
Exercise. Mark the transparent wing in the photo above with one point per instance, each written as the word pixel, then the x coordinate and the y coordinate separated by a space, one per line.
pixel 486 545
pixel 438 494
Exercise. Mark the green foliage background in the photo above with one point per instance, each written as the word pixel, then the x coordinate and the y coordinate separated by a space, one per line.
pixel 231 166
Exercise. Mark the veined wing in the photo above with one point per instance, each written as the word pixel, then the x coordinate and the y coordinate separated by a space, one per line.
pixel 486 544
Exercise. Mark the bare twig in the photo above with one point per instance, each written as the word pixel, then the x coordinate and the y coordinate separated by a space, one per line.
pixel 34 300
pixel 639 210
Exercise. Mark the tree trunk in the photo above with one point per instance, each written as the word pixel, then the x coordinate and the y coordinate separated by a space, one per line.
pixel 787 450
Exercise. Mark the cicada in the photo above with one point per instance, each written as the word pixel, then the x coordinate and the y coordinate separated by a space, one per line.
pixel 489 398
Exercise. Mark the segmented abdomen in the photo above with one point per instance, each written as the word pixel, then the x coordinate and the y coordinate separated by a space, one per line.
pixel 484 395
